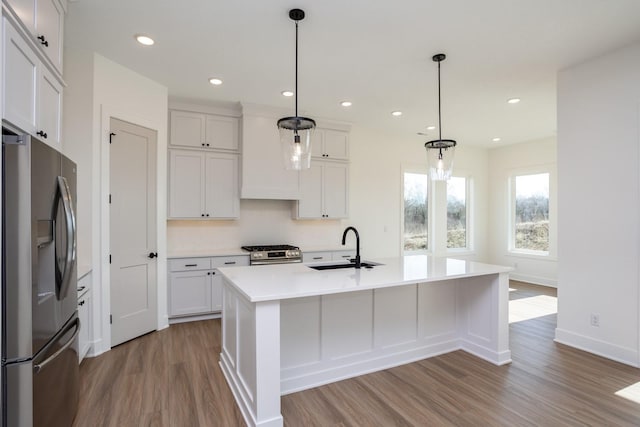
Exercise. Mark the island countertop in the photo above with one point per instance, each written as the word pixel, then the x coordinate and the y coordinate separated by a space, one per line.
pixel 285 281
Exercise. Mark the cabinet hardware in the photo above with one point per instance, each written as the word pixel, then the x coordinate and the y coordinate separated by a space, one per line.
pixel 317 257
pixel 191 265
pixel 208 273
pixel 202 144
pixel 81 288
pixel 43 41
pixel 42 134
pixel 152 255
pixel 229 263
pixel 202 215
pixel 213 273
pixel 81 303
pixel 207 214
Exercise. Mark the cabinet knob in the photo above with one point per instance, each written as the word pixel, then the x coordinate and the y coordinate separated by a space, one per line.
pixel 43 41
pixel 207 214
pixel 202 144
pixel 81 303
pixel 202 215
pixel 208 273
pixel 42 134
pixel 152 255
pixel 207 145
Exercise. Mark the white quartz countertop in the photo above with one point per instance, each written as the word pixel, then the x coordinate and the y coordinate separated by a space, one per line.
pixel 283 281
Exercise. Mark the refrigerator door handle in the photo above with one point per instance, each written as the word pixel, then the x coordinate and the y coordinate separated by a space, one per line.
pixel 64 194
pixel 38 367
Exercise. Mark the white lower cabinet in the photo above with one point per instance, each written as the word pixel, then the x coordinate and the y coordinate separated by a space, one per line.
pixel 84 314
pixel 324 191
pixel 195 284
pixel 322 256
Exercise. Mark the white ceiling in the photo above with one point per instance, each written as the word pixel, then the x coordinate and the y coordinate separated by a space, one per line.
pixel 374 53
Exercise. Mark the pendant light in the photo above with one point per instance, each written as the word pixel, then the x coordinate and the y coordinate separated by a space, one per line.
pixel 440 151
pixel 295 132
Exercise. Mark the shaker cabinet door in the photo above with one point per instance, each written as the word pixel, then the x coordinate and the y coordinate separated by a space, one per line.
pixel 186 184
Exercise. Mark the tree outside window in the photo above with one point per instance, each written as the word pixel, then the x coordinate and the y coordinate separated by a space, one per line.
pixel 457 213
pixel 531 213
pixel 415 233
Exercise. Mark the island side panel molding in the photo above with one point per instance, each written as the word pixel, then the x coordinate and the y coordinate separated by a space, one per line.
pixel 300 331
pixel 395 316
pixel 347 324
pixel 483 317
pixel 437 312
pixel 250 357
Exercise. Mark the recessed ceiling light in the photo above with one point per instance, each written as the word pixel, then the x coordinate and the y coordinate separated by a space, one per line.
pixel 145 40
pixel 287 93
pixel 513 100
pixel 215 81
pixel 496 139
pixel 431 127
pixel 346 103
pixel 396 113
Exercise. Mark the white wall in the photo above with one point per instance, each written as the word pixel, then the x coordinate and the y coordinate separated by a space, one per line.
pixel 529 157
pixel 375 205
pixel 99 89
pixel 598 163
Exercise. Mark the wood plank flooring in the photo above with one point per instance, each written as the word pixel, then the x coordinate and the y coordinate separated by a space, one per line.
pixel 172 378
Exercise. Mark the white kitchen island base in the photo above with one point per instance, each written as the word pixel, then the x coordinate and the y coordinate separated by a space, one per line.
pixel 327 326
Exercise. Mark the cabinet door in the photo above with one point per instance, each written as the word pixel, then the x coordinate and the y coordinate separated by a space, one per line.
pixel 336 144
pixel 49 24
pixel 216 291
pixel 188 129
pixel 84 314
pixel 222 199
pixel 49 108
pixel 336 190
pixel 189 293
pixel 26 11
pixel 222 132
pixel 317 143
pixel 310 203
pixel 20 70
pixel 186 184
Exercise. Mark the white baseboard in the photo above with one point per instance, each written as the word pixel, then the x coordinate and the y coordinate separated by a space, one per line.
pixel 535 280
pixel 173 320
pixel 628 356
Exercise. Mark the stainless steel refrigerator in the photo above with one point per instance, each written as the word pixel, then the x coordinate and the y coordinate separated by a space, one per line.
pixel 39 298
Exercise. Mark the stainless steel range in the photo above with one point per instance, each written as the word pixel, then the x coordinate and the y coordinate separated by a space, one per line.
pixel 273 254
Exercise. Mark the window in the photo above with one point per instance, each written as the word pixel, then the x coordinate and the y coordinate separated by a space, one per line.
pixel 530 213
pixel 457 213
pixel 415 233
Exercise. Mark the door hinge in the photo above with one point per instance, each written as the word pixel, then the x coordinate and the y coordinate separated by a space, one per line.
pixel 111 319
pixel 109 198
pixel 109 258
pixel 111 135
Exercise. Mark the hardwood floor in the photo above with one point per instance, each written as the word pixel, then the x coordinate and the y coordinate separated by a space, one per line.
pixel 172 378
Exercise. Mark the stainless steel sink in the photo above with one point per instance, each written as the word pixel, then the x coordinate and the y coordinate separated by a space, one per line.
pixel 364 264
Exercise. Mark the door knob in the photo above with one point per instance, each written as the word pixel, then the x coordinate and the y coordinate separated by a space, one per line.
pixel 153 254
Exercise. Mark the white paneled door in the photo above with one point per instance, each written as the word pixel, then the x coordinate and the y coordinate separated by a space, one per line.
pixel 133 240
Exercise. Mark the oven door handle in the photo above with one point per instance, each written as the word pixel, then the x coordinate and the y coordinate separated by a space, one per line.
pixel 288 261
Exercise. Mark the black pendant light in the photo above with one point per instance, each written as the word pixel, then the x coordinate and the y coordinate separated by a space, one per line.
pixel 440 151
pixel 295 132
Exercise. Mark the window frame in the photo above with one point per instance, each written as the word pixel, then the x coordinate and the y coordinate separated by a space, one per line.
pixel 469 203
pixel 511 213
pixel 417 169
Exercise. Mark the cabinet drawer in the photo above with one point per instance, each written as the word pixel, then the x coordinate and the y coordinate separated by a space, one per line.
pixel 344 255
pixel 316 256
pixel 186 264
pixel 229 261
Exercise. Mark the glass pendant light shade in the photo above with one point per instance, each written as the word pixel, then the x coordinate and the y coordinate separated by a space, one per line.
pixel 295 131
pixel 440 158
pixel 295 140
pixel 440 151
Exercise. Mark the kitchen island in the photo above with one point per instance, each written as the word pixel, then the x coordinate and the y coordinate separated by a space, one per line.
pixel 288 327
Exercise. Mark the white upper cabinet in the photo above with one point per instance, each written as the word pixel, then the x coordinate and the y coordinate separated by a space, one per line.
pixel 49 108
pixel 49 25
pixel 324 191
pixel 20 70
pixel 203 185
pixel 330 144
pixel 200 130
pixel 44 20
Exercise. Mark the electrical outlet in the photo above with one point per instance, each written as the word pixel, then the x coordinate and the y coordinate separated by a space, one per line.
pixel 595 319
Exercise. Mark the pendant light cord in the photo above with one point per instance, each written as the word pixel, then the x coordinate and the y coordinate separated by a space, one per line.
pixel 296 88
pixel 439 105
